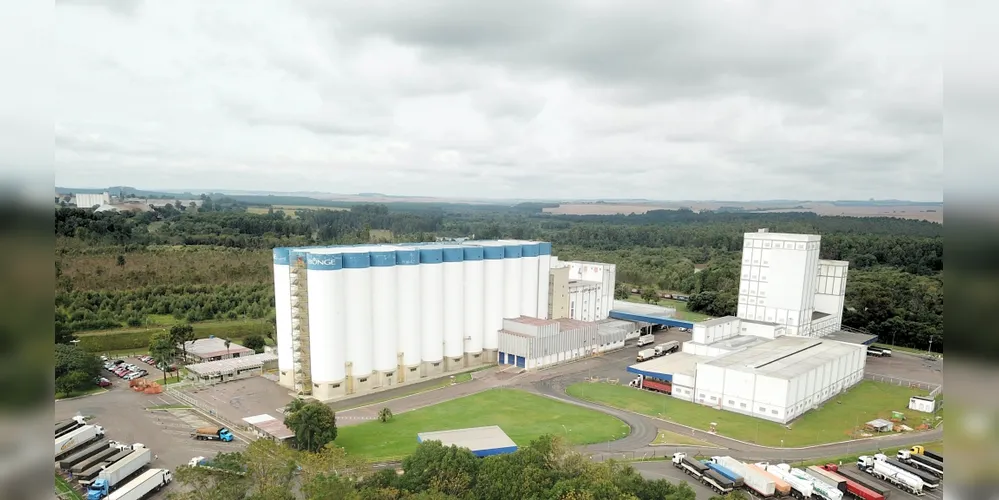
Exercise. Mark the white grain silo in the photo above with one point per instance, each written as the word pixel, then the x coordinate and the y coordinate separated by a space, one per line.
pixel 327 325
pixel 544 269
pixel 494 286
pixel 475 298
pixel 384 322
pixel 282 316
pixel 357 289
pixel 407 261
pixel 431 308
pixel 512 254
pixel 529 278
pixel 454 305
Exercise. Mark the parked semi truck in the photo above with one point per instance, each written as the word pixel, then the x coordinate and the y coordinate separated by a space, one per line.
pixel 754 480
pixel 81 436
pixel 703 473
pixel 920 450
pixel 820 474
pixel 856 487
pixel 141 487
pixel 650 384
pixel 84 453
pixel 888 472
pixel 737 480
pixel 878 351
pixel 667 348
pixel 213 434
pixel 921 462
pixel 645 355
pixel 819 488
pixel 799 488
pixel 90 474
pixel 69 425
pixel 115 475
pixel 930 481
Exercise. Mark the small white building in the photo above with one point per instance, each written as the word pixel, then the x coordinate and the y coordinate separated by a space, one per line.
pixel 533 343
pixel 214 349
pixel 925 405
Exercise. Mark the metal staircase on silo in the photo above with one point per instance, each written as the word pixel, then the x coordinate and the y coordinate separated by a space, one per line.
pixel 300 328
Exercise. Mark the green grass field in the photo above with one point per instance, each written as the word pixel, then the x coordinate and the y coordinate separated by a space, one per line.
pixel 837 420
pixel 681 308
pixel 129 340
pixel 523 416
pixel 64 490
pixel 290 209
pixel 673 438
pixel 93 390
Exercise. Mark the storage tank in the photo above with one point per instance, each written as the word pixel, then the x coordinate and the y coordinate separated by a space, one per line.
pixel 494 286
pixel 530 252
pixel 407 262
pixel 282 309
pixel 357 289
pixel 474 298
pixel 454 301
pixel 544 269
pixel 431 304
pixel 326 322
pixel 384 321
pixel 512 254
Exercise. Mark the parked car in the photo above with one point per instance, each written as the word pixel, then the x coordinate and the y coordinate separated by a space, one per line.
pixel 135 375
pixel 103 382
pixel 121 372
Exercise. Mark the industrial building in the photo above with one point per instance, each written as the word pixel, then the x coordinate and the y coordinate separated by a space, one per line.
pixel 481 441
pixel 784 352
pixel 352 319
pixel 228 369
pixel 213 349
pixel 533 343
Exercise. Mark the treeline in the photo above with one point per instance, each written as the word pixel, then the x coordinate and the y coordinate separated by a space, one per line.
pixel 545 469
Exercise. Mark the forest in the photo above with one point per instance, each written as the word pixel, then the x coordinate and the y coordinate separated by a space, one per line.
pixel 115 270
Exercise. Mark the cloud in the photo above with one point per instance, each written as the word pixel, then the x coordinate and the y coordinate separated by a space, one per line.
pixel 540 99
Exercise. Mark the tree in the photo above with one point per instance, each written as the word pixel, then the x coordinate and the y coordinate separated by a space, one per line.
pixel 314 425
pixel 446 469
pixel 163 348
pixel 649 295
pixel 73 358
pixel 73 381
pixel 120 261
pixel 181 335
pixel 255 342
pixel 227 342
pixel 385 414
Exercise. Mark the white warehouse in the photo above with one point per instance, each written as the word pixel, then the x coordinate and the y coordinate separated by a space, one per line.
pixel 783 353
pixel 355 318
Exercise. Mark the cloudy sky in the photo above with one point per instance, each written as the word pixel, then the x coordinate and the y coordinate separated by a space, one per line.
pixel 537 99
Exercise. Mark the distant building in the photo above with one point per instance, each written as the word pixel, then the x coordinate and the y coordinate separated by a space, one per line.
pixel 214 349
pixel 91 200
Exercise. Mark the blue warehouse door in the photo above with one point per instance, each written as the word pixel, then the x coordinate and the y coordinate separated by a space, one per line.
pixel 502 358
pixel 521 362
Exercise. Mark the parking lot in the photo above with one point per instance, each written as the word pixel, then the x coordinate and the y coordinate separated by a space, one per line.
pixel 132 417
pixel 243 398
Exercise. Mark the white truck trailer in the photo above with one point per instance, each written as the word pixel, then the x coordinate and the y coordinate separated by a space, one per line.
pixel 66 443
pixel 141 487
pixel 115 475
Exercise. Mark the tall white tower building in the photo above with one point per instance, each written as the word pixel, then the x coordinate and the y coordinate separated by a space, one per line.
pixel 779 279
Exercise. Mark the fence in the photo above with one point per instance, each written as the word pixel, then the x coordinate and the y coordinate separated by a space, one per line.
pixel 934 389
pixel 200 405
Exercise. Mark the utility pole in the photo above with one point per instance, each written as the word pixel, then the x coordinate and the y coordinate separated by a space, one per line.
pixel 930 349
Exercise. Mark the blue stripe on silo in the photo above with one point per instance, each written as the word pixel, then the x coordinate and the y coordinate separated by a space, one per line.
pixel 452 254
pixel 472 252
pixel 492 253
pixel 360 260
pixel 407 257
pixel 513 251
pixel 323 262
pixel 431 256
pixel 531 249
pixel 545 248
pixel 281 256
pixel 383 258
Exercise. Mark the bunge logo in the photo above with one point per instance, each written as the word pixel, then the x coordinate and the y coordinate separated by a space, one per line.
pixel 68 444
pixel 323 261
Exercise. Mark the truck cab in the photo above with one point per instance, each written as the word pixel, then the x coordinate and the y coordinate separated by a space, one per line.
pixel 98 489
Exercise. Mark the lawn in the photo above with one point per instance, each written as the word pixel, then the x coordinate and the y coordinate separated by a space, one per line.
pixel 523 416
pixel 64 490
pixel 92 390
pixel 918 352
pixel 936 446
pixel 459 378
pixel 674 438
pixel 835 421
pixel 681 308
pixel 131 340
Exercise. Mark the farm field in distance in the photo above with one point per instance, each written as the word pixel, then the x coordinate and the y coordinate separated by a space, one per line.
pixel 681 308
pixel 835 421
pixel 523 416
pixel 914 212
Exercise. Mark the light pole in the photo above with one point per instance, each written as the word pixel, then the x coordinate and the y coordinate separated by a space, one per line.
pixel 930 349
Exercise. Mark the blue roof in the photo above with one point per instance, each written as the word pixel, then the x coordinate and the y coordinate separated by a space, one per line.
pixel 655 320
